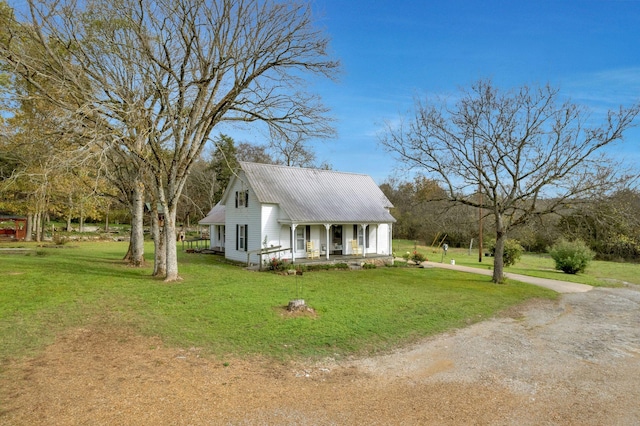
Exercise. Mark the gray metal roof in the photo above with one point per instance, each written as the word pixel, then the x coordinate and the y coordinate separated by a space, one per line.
pixel 319 196
pixel 215 216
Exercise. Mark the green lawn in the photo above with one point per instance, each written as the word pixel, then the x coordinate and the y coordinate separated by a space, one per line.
pixel 228 311
pixel 599 273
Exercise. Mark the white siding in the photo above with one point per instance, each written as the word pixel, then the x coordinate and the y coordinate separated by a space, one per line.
pixel 270 229
pixel 382 238
pixel 284 240
pixel 242 215
pixel 270 226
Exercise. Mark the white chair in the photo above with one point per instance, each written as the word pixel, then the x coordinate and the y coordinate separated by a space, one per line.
pixel 355 248
pixel 312 252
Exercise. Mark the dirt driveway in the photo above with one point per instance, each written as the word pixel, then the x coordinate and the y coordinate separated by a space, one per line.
pixel 571 362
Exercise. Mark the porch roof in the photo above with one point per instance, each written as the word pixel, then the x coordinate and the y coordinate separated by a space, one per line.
pixel 215 216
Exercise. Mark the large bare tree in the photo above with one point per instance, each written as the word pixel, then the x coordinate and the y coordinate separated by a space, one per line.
pixel 162 75
pixel 515 148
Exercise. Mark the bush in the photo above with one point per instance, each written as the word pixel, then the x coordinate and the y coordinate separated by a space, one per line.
pixel 414 256
pixel 276 264
pixel 571 257
pixel 512 252
pixel 60 240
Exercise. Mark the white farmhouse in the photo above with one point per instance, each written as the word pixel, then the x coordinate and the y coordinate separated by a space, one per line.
pixel 294 213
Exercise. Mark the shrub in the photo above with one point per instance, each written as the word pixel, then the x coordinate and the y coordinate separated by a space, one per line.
pixel 571 257
pixel 414 256
pixel 512 252
pixel 276 264
pixel 60 240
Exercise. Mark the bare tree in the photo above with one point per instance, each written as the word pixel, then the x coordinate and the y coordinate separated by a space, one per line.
pixel 292 151
pixel 254 153
pixel 516 148
pixel 165 73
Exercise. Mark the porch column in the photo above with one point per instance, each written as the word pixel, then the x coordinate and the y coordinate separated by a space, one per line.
pixel 327 226
pixel 293 242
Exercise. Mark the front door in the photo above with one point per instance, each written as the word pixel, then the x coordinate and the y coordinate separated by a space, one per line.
pixel 301 239
pixel 336 239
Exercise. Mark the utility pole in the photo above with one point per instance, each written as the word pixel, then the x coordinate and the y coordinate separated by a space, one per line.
pixel 480 209
pixel 480 226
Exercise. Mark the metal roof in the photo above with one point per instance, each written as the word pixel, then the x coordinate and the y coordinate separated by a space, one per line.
pixel 215 216
pixel 319 196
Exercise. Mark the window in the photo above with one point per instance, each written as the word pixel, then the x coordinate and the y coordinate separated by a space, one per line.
pixel 241 237
pixel 300 238
pixel 242 199
pixel 363 239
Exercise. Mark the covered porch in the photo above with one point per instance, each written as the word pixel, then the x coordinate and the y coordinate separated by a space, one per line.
pixel 332 242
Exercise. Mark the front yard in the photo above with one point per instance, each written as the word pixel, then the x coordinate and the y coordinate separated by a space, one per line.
pixel 226 310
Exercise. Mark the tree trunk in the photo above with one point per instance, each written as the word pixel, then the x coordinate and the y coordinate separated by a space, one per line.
pixel 498 260
pixel 135 254
pixel 36 226
pixel 70 201
pixel 28 236
pixel 159 243
pixel 171 246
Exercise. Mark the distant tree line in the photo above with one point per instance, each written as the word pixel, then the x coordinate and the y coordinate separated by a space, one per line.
pixel 86 194
pixel 610 225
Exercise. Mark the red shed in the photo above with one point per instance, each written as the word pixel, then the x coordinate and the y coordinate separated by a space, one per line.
pixel 17 232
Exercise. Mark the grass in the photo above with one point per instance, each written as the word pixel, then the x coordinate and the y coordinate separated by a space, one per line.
pixel 599 273
pixel 226 310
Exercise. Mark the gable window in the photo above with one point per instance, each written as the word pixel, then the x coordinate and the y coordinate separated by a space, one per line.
pixel 241 237
pixel 242 199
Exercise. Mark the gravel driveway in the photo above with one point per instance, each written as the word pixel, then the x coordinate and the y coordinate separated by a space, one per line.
pixel 575 361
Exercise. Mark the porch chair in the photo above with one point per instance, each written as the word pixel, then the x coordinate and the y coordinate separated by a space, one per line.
pixel 355 248
pixel 312 253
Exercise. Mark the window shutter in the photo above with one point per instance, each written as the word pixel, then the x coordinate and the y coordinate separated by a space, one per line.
pixel 236 199
pixel 308 233
pixel 246 198
pixel 246 237
pixel 237 235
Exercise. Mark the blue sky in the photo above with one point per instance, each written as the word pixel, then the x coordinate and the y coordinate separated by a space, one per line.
pixel 393 51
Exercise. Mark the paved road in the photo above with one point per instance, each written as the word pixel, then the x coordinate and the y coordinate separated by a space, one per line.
pixel 555 285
